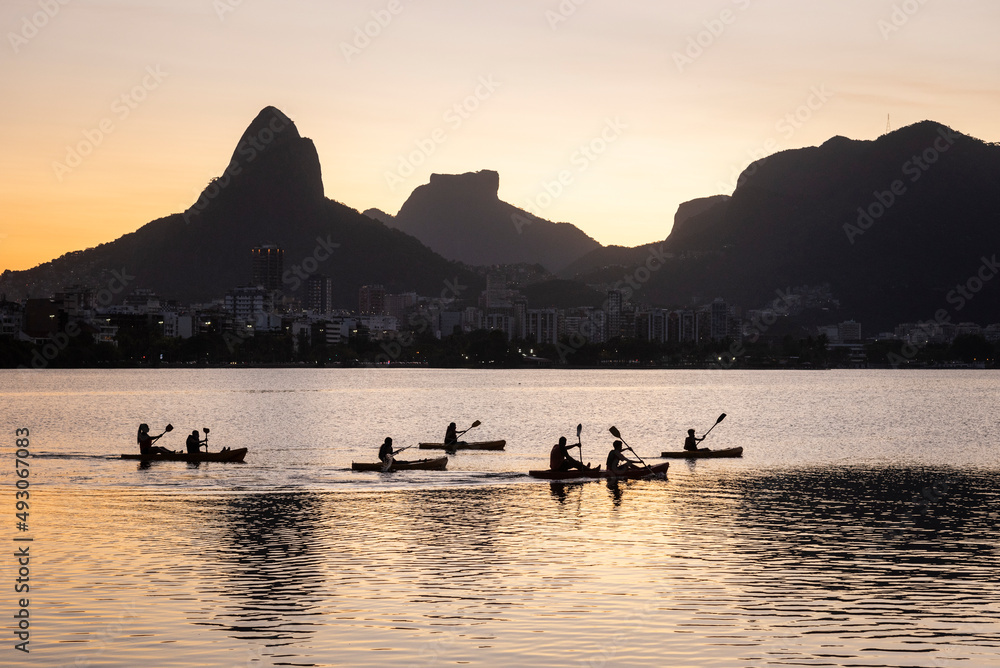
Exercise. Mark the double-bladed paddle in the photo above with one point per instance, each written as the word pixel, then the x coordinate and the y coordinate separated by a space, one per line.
pixel 617 434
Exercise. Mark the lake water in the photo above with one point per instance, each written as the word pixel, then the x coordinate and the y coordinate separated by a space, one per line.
pixel 858 529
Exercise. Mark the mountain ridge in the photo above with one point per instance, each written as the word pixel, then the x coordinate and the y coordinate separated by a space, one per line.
pixel 462 217
pixel 271 191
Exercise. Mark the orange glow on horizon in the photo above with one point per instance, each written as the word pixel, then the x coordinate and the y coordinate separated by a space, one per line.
pixel 142 108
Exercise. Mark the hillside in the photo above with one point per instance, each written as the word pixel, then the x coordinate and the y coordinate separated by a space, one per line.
pixel 462 217
pixel 270 192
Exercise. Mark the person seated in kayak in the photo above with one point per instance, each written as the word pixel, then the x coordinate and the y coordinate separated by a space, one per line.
pixel 617 461
pixel 386 452
pixel 451 435
pixel 561 460
pixel 194 443
pixel 691 443
pixel 146 447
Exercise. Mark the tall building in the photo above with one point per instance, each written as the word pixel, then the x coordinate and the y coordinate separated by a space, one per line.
pixel 371 300
pixel 652 325
pixel 850 332
pixel 267 267
pixel 245 302
pixel 614 313
pixel 543 325
pixel 319 293
pixel 399 306
pixel 719 327
pixel 687 326
pixel 497 295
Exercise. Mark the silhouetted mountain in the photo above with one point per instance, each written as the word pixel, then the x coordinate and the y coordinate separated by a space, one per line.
pixel 829 215
pixel 461 217
pixel 379 215
pixel 271 192
pixel 617 257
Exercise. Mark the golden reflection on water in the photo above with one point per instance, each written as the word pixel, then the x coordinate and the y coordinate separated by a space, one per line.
pixel 801 567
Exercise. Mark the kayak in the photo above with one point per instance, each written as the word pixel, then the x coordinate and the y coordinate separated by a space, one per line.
pixel 598 473
pixel 236 455
pixel 438 464
pixel 549 474
pixel 703 454
pixel 480 445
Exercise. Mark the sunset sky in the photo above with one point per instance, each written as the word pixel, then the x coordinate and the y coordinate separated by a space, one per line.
pixel 116 113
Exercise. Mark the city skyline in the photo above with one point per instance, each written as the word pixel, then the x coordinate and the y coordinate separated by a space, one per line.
pixel 125 112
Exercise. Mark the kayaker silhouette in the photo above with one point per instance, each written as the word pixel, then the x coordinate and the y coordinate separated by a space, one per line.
pixel 386 452
pixel 146 447
pixel 617 461
pixel 691 443
pixel 561 460
pixel 194 443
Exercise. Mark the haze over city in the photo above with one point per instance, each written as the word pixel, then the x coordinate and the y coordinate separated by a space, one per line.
pixel 606 115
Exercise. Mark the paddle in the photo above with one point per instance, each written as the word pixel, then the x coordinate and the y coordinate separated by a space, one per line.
pixel 721 418
pixel 390 460
pixel 474 425
pixel 206 430
pixel 617 434
pixel 169 427
pixel 154 439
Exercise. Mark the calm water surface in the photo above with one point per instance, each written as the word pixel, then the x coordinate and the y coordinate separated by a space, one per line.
pixel 859 529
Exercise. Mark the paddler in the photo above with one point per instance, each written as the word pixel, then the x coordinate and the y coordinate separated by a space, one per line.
pixel 561 460
pixel 451 435
pixel 691 443
pixel 146 447
pixel 386 452
pixel 194 443
pixel 617 461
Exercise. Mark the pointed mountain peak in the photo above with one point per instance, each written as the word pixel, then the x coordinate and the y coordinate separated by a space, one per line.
pixel 270 126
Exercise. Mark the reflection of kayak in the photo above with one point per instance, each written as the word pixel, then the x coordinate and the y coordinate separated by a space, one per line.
pixel 438 464
pixel 703 454
pixel 598 473
pixel 480 445
pixel 236 455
